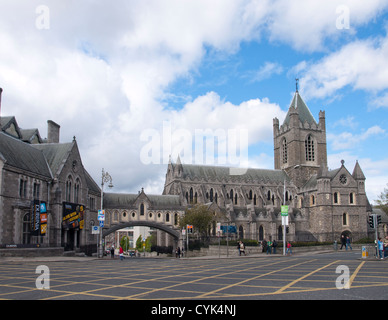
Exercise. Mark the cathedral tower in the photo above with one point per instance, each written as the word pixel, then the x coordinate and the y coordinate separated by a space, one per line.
pixel 300 142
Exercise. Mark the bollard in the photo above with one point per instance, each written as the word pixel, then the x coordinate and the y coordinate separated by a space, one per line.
pixel 364 252
pixel 335 245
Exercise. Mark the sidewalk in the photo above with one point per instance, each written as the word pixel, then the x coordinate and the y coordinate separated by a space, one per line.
pixel 232 255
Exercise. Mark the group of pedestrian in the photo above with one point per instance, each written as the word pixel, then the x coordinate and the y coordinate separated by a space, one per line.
pixel 345 242
pixel 382 247
pixel 269 246
pixel 241 248
pixel 179 252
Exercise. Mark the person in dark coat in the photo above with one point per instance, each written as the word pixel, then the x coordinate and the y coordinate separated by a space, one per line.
pixel 343 242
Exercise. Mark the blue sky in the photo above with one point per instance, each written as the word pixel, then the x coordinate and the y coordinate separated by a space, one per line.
pixel 116 75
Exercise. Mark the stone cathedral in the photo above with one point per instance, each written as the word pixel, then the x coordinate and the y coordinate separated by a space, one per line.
pixel 323 203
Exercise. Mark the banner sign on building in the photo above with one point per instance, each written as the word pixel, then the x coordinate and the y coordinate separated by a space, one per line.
pixel 228 229
pixel 38 218
pixel 73 216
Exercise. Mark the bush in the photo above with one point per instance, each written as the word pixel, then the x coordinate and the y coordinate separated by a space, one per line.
pixel 247 243
pixel 310 243
pixel 364 240
pixel 162 249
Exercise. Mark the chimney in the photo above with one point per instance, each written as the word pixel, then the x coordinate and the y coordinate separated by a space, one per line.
pixel 52 132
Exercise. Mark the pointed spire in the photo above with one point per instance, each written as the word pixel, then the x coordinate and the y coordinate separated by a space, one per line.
pixel 357 172
pixel 178 160
pixel 299 107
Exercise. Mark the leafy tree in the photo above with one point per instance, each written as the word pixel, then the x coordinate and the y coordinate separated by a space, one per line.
pixel 124 243
pixel 150 241
pixel 139 243
pixel 382 202
pixel 200 217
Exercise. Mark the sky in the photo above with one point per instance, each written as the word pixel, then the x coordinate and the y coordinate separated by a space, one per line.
pixel 138 81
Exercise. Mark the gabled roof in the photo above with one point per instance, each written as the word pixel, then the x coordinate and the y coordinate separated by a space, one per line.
pixel 55 153
pixel 23 156
pixel 31 135
pixel 10 126
pixel 92 185
pixel 301 108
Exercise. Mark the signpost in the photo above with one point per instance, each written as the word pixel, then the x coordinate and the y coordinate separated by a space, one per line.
pixel 101 215
pixel 374 221
pixel 284 214
pixel 189 229
pixel 95 229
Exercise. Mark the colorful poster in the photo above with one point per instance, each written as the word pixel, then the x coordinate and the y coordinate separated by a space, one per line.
pixel 38 218
pixel 73 216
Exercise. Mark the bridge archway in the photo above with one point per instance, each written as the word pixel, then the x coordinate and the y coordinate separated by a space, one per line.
pixel 175 233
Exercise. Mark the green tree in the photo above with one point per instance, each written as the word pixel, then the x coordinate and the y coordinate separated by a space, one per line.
pixel 124 243
pixel 148 243
pixel 200 217
pixel 382 202
pixel 139 243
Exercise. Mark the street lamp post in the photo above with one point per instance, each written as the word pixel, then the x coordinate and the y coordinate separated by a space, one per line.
pixel 105 178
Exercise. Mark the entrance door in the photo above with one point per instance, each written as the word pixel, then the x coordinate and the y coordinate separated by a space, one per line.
pixel 70 240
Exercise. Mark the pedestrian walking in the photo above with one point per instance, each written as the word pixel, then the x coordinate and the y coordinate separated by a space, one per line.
pixel 343 241
pixel 380 247
pixel 242 248
pixel 269 247
pixel 112 252
pixel 264 246
pixel 121 253
pixel 288 248
pixel 348 243
pixel 274 246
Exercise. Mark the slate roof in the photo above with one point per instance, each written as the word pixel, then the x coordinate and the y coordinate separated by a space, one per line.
pixel 125 200
pixel 378 211
pixel 312 182
pixel 209 173
pixel 21 155
pixel 55 153
pixel 302 109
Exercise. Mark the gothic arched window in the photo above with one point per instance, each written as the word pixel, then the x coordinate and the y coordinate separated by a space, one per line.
pixel 26 228
pixel 310 149
pixel 284 150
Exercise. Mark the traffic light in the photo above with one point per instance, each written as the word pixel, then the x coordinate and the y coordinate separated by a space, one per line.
pixel 371 221
pixel 190 229
pixel 378 219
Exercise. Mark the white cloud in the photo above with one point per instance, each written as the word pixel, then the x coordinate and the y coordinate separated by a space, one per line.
pixel 100 70
pixel 379 101
pixel 265 72
pixel 361 64
pixel 347 140
pixel 306 24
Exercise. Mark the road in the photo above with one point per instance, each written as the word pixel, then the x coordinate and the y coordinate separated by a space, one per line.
pixel 328 276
